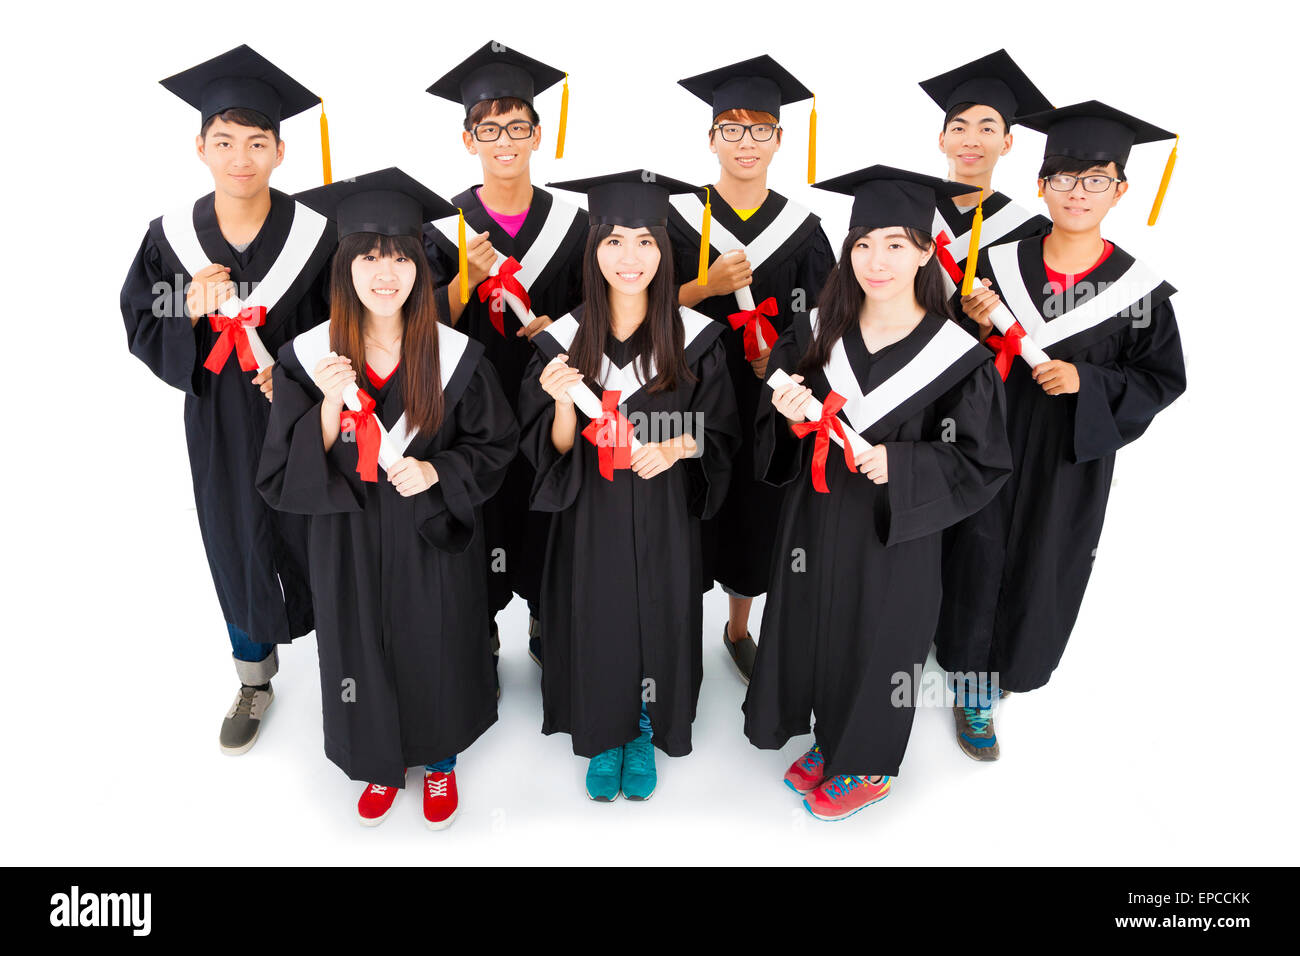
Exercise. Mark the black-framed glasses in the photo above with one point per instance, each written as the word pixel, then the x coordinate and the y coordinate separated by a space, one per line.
pixel 491 132
pixel 734 132
pixel 1094 183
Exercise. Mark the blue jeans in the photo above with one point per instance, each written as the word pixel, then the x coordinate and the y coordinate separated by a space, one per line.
pixel 442 766
pixel 645 720
pixel 245 648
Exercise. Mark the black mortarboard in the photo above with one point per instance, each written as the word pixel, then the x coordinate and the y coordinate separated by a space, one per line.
pixel 241 79
pixel 388 202
pixel 759 84
pixel 636 198
pixel 1092 131
pixel 494 72
pixel 994 80
pixel 885 196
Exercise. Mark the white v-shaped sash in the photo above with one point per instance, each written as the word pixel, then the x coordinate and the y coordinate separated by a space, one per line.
pixel 863 410
pixel 544 247
pixel 313 345
pixel 1132 287
pixel 787 221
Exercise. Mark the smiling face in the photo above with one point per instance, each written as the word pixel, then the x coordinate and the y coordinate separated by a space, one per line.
pixel 506 158
pixel 383 283
pixel 885 263
pixel 973 140
pixel 746 159
pixel 240 157
pixel 1079 211
pixel 628 259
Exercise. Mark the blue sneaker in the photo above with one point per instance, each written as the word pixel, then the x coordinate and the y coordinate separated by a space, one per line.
pixel 603 775
pixel 975 734
pixel 639 777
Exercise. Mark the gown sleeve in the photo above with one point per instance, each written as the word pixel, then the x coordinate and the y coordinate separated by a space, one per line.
pixel 815 265
pixel 936 483
pixel 158 328
pixel 558 477
pixel 713 406
pixel 295 473
pixel 471 470
pixel 1118 399
pixel 776 451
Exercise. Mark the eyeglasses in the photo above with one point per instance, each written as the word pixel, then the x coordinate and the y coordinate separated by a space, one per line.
pixel 1064 182
pixel 491 132
pixel 734 132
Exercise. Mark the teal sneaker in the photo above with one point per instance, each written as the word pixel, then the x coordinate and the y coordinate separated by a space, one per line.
pixel 603 775
pixel 639 777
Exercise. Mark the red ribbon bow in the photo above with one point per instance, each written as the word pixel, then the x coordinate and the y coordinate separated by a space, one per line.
pixel 821 448
pixel 753 320
pixel 234 335
pixel 955 272
pixel 611 433
pixel 503 281
pixel 365 427
pixel 1007 346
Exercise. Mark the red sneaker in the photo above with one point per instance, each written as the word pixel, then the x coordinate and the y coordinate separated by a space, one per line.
pixel 375 804
pixel 440 800
pixel 842 796
pixel 806 773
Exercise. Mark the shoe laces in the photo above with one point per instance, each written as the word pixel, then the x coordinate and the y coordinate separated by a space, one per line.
pixel 841 785
pixel 606 761
pixel 244 702
pixel 438 787
pixel 378 789
pixel 979 718
pixel 638 756
pixel 813 759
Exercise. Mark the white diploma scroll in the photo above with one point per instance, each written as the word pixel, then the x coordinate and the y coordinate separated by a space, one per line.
pixel 389 453
pixel 745 301
pixel 589 405
pixel 1029 351
pixel 857 444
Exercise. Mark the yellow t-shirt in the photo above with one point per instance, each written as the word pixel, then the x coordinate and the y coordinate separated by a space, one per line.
pixel 746 213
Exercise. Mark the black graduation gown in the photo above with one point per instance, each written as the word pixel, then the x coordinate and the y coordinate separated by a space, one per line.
pixel 549 245
pixel 401 603
pixel 1014 574
pixel 1004 222
pixel 855 584
pixel 252 551
pixel 789 251
pixel 620 588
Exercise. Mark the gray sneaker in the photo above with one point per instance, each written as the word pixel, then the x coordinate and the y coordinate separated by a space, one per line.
pixel 742 653
pixel 975 733
pixel 240 728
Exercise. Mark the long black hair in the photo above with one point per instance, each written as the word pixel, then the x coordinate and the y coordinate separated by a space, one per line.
pixel 661 336
pixel 840 303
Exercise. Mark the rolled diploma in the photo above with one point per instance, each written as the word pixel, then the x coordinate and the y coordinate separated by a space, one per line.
pixel 389 453
pixel 857 444
pixel 525 316
pixel 589 405
pixel 231 308
pixel 1029 351
pixel 745 300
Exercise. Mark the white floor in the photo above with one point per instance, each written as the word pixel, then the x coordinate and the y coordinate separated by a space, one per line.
pixel 115 758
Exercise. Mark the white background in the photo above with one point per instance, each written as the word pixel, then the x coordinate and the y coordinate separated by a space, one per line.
pixel 1167 736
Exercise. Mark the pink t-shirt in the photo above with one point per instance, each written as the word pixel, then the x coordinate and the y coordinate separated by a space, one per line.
pixel 511 224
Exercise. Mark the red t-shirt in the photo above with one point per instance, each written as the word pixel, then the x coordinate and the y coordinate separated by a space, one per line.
pixel 1059 281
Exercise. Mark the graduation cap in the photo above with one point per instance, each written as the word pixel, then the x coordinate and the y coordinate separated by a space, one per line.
pixel 637 198
pixel 759 84
pixel 494 72
pixel 886 196
pixel 244 79
pixel 1098 133
pixel 994 80
pixel 387 201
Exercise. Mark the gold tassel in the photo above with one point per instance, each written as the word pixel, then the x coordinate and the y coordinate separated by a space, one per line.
pixel 1040 192
pixel 812 143
pixel 564 119
pixel 325 146
pixel 973 252
pixel 462 257
pixel 703 278
pixel 1164 184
